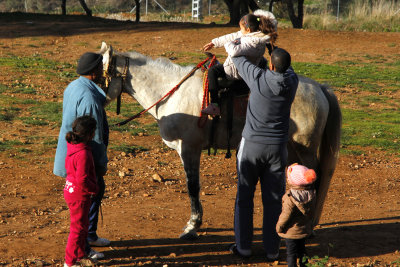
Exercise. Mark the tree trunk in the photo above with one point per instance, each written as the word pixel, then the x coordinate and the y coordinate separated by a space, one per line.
pixel 253 5
pixel 297 21
pixel 85 7
pixel 63 7
pixel 271 4
pixel 137 2
pixel 239 8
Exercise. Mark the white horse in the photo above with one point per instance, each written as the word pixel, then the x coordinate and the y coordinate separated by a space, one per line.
pixel 315 124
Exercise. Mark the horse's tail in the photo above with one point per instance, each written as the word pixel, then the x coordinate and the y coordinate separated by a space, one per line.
pixel 329 149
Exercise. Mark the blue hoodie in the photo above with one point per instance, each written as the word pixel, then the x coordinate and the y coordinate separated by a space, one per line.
pixel 270 100
pixel 83 97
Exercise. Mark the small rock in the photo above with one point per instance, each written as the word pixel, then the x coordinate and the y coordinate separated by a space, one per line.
pixel 39 263
pixel 146 195
pixel 157 178
pixel 121 174
pixel 59 232
pixel 173 255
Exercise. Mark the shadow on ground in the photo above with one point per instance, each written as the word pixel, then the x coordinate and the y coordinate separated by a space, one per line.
pixel 327 242
pixel 59 25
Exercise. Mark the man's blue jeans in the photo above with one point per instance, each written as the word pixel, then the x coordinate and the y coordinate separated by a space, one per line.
pixel 94 213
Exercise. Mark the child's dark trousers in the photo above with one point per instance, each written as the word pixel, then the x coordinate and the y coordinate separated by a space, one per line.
pixel 295 249
pixel 214 73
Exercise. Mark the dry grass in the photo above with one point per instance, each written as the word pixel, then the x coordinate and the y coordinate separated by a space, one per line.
pixel 378 16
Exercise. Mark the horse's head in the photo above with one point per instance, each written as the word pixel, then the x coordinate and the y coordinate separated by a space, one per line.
pixel 115 71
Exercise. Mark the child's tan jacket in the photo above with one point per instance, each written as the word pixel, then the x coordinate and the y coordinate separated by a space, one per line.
pixel 296 219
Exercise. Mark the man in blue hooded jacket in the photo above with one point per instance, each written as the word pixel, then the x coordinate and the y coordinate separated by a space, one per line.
pixel 84 97
pixel 262 154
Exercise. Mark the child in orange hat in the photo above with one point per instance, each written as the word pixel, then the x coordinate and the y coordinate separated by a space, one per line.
pixel 298 207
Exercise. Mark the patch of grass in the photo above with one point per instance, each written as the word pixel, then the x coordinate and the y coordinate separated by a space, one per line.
pixel 368 128
pixel 51 142
pixel 128 148
pixel 316 261
pixel 9 144
pixel 364 76
pixel 44 113
pixel 351 152
pixel 136 128
pixel 133 127
pixel 84 44
pixel 24 150
pixel 22 88
pixel 8 113
pixel 37 64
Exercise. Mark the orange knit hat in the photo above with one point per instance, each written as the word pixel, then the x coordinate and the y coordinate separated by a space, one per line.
pixel 300 175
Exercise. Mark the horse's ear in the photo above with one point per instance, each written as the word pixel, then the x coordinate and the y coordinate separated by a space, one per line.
pixel 107 52
pixel 103 48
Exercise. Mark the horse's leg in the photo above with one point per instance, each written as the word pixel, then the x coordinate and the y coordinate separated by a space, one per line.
pixel 63 7
pixel 85 7
pixel 307 156
pixel 190 156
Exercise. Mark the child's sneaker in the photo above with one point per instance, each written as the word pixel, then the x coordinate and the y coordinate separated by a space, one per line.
pixel 212 110
pixel 95 255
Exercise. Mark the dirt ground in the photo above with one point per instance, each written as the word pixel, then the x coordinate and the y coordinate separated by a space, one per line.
pixel 143 218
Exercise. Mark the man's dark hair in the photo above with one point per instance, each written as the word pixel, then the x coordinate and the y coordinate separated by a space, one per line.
pixel 280 58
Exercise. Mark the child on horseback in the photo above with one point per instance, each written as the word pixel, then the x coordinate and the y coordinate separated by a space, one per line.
pixel 80 187
pixel 256 31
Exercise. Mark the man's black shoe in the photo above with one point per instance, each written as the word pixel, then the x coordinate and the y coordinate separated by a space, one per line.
pixel 233 249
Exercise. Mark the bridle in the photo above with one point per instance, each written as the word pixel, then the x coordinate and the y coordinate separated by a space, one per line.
pixel 111 72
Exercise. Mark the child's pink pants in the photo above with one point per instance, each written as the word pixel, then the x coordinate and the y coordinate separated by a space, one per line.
pixel 79 218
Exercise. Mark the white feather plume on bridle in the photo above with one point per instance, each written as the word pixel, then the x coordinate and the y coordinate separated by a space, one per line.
pixel 268 15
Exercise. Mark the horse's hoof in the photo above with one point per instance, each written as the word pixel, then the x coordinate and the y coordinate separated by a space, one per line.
pixel 191 235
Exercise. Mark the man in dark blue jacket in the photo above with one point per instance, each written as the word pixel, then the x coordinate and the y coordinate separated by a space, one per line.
pixel 263 153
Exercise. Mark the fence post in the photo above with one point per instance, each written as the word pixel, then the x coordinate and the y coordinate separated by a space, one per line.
pixel 337 14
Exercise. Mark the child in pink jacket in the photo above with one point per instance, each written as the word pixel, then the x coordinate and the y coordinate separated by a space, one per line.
pixel 256 30
pixel 80 186
pixel 295 223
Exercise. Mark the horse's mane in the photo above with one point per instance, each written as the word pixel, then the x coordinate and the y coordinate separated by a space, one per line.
pixel 159 63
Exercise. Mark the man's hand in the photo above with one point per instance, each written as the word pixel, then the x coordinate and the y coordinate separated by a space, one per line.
pixel 237 41
pixel 208 46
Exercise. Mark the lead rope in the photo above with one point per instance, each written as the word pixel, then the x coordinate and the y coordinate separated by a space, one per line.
pixel 206 97
pixel 198 66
